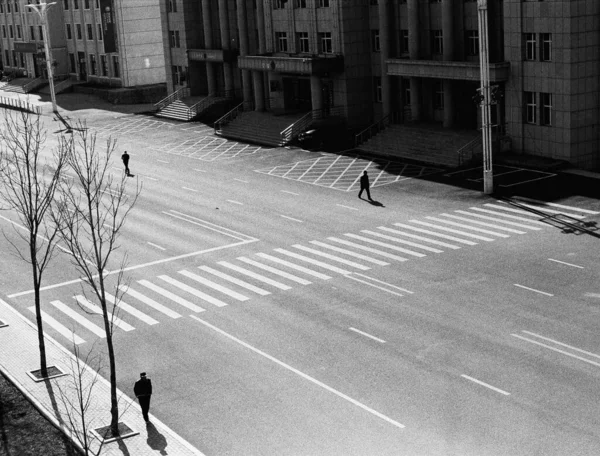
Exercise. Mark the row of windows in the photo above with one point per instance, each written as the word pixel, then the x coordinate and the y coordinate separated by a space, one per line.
pixel 95 68
pixel 86 4
pixel 538 46
pixel 14 6
pixel 90 32
pixel 280 4
pixel 325 42
pixel 538 108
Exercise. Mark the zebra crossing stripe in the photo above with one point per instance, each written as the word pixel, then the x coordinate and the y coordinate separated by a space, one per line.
pixel 462 225
pixel 149 302
pixel 504 218
pixel 332 257
pixel 367 249
pixel 58 327
pixel 477 222
pixel 401 241
pixel 83 301
pixel 241 283
pixel 546 203
pixel 552 211
pixel 214 286
pixel 132 310
pixel 451 230
pixel 511 209
pixel 503 209
pixel 193 291
pixel 256 276
pixel 385 244
pixel 173 297
pixel 433 233
pixel 312 261
pixel 350 253
pixel 97 330
pixel 420 238
pixel 297 267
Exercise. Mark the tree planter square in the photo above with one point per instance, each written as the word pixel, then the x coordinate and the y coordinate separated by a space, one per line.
pixel 104 435
pixel 53 372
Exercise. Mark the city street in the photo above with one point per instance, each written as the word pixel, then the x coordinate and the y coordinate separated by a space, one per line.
pixel 279 314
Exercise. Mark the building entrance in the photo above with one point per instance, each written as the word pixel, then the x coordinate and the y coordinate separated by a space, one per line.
pixel 296 94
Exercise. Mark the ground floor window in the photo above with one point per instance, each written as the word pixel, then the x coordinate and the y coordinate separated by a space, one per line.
pixel 72 63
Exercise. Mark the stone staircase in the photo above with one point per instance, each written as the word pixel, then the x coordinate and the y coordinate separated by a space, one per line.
pixel 180 109
pixel 17 85
pixel 258 127
pixel 421 142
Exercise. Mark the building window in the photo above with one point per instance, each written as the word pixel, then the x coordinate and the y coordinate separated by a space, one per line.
pixel 325 43
pixel 116 68
pixel 8 11
pixel 279 4
pixel 11 31
pixel 403 42
pixel 78 29
pixel 530 108
pixel 86 4
pixel 530 46
pixel 1 7
pixel 69 34
pixel 172 6
pixel 438 95
pixel 17 9
pixel 175 42
pixel 406 85
pixel 377 93
pixel 41 32
pixel 546 109
pixel 32 32
pixel 472 42
pixel 323 4
pixel 98 7
pixel 72 63
pixel 299 3
pixel 76 4
pixel 99 32
pixel 546 47
pixel 90 32
pixel 19 36
pixel 375 44
pixel 93 66
pixel 303 43
pixel 281 39
pixel 103 65
pixel 373 2
pixel 4 31
pixel 437 42
pixel 66 2
pixel 177 75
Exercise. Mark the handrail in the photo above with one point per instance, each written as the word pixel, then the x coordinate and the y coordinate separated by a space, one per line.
pixel 62 85
pixel 177 95
pixel 224 120
pixel 293 130
pixel 371 130
pixel 33 84
pixel 468 149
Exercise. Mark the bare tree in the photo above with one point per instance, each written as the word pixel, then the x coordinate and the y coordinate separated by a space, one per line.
pixel 28 187
pixel 89 217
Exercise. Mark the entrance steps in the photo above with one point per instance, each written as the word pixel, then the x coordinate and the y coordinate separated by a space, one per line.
pixel 17 85
pixel 179 109
pixel 259 127
pixel 421 142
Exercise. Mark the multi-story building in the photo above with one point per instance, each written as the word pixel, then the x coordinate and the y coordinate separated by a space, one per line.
pixel 109 42
pixel 409 59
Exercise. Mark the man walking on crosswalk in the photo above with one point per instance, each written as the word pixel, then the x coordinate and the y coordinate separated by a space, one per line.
pixel 364 185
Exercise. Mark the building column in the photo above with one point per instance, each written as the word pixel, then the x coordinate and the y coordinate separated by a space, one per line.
pixel 259 91
pixel 414 46
pixel 226 45
pixel 448 103
pixel 242 23
pixel 384 48
pixel 449 46
pixel 259 76
pixel 316 95
pixel 208 42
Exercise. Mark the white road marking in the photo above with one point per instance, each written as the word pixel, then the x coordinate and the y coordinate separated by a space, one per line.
pixel 149 302
pixel 173 297
pixel 350 253
pixel 385 244
pixel 467 227
pixel 214 286
pixel 58 327
pixel 367 249
pixel 97 330
pixel 516 211
pixel 256 276
pixel 157 246
pixel 190 189
pixel 84 302
pixel 301 374
pixel 332 257
pixel 210 226
pixel 281 273
pixel 477 222
pixel 291 218
pixel 162 161
pixel 551 211
pixel 291 193
pixel 499 220
pixel 150 178
pixel 312 261
pixel 200 170
pixel 487 385
pixel 558 350
pixel 240 180
pixel 404 290
pixel 433 233
pixel 532 289
pixel 452 230
pixel 420 238
pixel 401 241
pixel 347 207
pixel 193 291
pixel 367 335
pixel 546 203
pixel 568 264
pixel 241 283
pixel 235 202
pixel 132 310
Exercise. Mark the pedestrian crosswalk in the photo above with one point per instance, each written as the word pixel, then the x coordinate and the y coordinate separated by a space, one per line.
pixel 239 281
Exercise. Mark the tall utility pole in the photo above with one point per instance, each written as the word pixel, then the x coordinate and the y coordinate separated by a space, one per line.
pixel 486 118
pixel 42 10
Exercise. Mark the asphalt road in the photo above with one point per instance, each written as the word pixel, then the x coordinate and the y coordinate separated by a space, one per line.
pixel 277 313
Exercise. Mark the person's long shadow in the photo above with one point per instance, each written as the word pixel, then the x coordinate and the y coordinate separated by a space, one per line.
pixel 376 203
pixel 156 440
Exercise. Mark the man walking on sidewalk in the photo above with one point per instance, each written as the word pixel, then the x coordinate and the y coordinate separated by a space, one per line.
pixel 143 390
pixel 364 185
pixel 125 158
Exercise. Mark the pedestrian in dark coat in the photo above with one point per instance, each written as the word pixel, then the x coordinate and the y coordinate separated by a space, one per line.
pixel 125 158
pixel 364 185
pixel 143 390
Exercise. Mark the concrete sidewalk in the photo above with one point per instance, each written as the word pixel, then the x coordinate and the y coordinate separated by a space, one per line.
pixel 20 355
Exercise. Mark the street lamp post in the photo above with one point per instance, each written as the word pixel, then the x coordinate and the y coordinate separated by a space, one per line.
pixel 42 10
pixel 486 118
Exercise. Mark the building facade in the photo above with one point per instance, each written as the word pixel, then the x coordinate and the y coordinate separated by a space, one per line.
pixel 115 43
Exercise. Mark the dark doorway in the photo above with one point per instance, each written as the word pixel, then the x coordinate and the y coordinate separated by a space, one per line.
pixel 466 108
pixel 82 66
pixel 296 93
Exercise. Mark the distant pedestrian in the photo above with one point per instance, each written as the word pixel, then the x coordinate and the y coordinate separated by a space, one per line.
pixel 143 390
pixel 364 185
pixel 125 158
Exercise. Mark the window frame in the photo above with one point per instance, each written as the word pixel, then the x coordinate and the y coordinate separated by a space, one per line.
pixel 530 104
pixel 530 46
